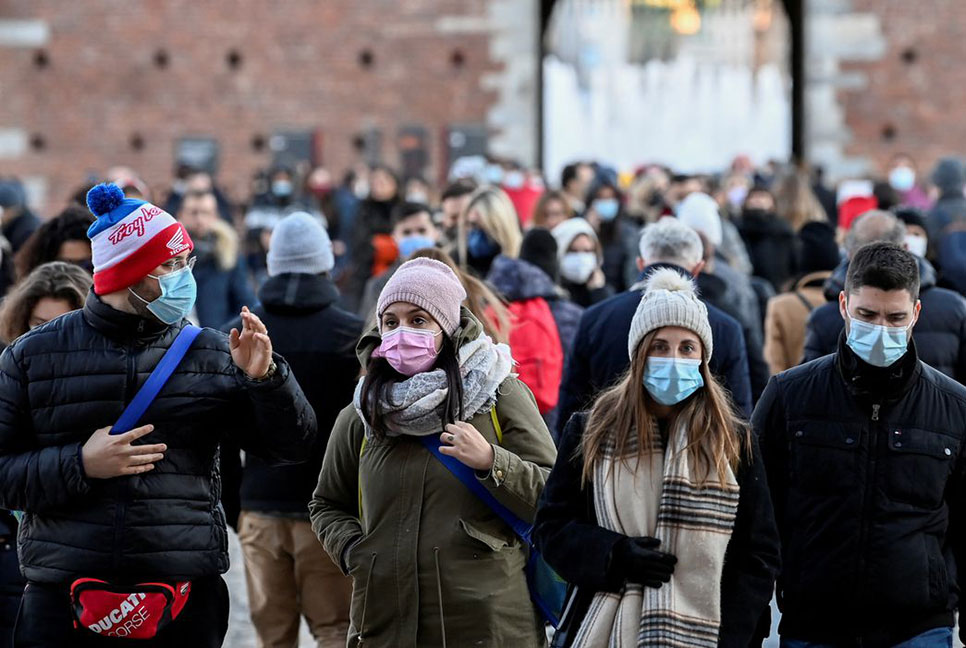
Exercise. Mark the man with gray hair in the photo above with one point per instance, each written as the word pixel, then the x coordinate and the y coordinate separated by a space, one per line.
pixel 599 354
pixel 940 334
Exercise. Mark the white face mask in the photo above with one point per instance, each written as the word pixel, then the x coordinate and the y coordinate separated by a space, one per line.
pixel 576 267
pixel 917 245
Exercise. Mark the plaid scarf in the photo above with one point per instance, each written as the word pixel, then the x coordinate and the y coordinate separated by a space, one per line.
pixel 661 497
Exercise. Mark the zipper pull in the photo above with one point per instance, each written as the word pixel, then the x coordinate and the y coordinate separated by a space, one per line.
pixel 141 326
pixel 875 412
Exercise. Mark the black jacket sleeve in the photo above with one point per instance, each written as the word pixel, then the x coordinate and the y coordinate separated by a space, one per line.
pixel 565 529
pixel 768 424
pixel 231 476
pixel 753 558
pixel 735 369
pixel 956 535
pixel 32 479
pixel 273 418
pixel 575 388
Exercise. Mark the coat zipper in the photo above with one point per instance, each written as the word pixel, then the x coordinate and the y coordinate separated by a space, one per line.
pixel 122 484
pixel 868 491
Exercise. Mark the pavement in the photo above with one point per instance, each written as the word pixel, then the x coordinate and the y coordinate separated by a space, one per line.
pixel 241 634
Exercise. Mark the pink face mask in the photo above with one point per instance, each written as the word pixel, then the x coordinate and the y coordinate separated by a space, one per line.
pixel 410 351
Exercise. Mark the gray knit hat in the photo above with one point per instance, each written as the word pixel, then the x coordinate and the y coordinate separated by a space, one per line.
pixel 300 245
pixel 670 299
pixel 429 284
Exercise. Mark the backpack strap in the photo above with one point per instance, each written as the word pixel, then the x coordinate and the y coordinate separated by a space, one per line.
pixel 152 386
pixel 362 449
pixel 807 304
pixel 496 426
pixel 467 476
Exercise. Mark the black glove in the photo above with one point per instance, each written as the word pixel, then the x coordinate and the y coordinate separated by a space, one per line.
pixel 635 560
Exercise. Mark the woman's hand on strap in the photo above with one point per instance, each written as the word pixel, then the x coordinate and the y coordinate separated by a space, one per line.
pixel 464 442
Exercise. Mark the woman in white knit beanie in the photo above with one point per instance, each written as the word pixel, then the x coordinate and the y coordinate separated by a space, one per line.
pixel 658 509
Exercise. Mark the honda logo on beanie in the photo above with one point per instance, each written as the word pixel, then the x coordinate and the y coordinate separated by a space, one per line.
pixel 130 238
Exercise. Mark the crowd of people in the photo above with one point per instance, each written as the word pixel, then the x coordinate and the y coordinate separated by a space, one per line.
pixel 692 391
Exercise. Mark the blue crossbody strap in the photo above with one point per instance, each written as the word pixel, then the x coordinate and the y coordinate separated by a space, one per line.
pixel 152 387
pixel 468 477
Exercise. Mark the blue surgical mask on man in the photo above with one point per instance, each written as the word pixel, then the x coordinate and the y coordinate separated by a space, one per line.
pixel 412 244
pixel 606 208
pixel 282 188
pixel 178 294
pixel 671 380
pixel 879 346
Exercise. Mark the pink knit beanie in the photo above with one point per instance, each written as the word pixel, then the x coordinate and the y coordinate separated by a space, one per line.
pixel 429 284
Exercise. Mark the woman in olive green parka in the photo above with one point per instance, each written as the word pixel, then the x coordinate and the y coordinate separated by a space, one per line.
pixel 431 564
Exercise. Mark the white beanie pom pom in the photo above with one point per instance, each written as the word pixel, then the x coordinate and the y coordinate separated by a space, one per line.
pixel 669 280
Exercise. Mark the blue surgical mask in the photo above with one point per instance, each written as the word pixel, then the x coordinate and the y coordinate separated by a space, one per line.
pixel 493 173
pixel 480 246
pixel 902 178
pixel 606 208
pixel 880 346
pixel 178 295
pixel 282 188
pixel 514 180
pixel 670 380
pixel 412 244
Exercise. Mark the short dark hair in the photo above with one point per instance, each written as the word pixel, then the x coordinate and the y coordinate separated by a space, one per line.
pixel 404 210
pixel 885 266
pixel 569 173
pixel 459 188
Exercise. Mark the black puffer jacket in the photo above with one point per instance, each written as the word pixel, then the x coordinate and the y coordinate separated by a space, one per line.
pixel 64 380
pixel 940 332
pixel 319 340
pixel 866 470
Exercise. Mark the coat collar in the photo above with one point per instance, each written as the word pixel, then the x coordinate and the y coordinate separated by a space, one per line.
pixel 297 293
pixel 120 326
pixel 883 385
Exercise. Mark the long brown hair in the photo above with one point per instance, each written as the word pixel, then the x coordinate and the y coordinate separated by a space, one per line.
pixel 796 202
pixel 717 437
pixel 489 308
pixel 57 280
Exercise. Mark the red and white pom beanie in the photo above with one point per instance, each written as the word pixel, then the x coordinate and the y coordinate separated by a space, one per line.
pixel 130 238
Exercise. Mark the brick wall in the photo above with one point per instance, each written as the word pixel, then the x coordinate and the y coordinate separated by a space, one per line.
pixel 94 94
pixel 914 98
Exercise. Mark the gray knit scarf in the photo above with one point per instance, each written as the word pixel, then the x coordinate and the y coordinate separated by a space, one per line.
pixel 413 406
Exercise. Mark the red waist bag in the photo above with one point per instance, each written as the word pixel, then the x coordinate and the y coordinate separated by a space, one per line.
pixel 127 611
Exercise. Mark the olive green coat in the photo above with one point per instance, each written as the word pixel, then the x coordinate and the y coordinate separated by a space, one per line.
pixel 422 532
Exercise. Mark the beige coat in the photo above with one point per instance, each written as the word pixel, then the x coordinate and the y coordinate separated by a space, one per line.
pixel 785 320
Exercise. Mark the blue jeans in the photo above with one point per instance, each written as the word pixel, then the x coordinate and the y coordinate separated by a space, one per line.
pixel 936 638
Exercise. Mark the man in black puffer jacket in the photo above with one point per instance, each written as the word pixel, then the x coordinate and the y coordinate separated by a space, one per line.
pixel 864 451
pixel 288 576
pixel 940 334
pixel 142 506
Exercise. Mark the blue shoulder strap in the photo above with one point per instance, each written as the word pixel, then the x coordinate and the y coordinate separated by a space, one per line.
pixel 467 476
pixel 152 386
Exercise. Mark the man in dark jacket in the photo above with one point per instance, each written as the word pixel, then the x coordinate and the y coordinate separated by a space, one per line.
pixel 288 576
pixel 17 219
pixel 865 459
pixel 142 506
pixel 940 334
pixel 599 354
pixel 220 269
pixel 950 208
